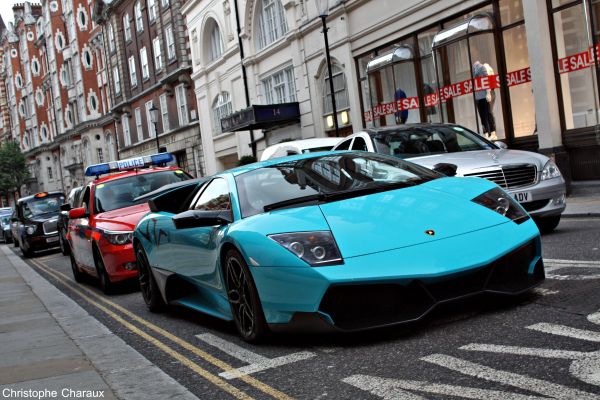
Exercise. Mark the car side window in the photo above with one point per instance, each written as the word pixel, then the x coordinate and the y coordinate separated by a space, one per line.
pixel 215 197
pixel 344 145
pixel 85 200
pixel 359 144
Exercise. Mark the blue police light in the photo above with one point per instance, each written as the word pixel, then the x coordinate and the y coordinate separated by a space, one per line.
pixel 130 163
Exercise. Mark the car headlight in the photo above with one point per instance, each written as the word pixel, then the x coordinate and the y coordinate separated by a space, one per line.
pixel 315 248
pixel 498 200
pixel 550 171
pixel 118 238
pixel 31 229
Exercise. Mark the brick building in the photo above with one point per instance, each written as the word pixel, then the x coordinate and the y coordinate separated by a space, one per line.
pixel 148 65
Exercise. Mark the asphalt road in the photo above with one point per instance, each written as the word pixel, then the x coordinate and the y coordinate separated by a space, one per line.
pixel 545 345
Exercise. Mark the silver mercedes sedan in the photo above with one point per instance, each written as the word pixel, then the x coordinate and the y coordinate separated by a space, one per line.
pixel 533 179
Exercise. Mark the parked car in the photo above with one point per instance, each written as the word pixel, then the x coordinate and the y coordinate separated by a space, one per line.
pixel 5 231
pixel 35 220
pixel 533 179
pixel 104 214
pixel 303 146
pixel 337 241
pixel 63 219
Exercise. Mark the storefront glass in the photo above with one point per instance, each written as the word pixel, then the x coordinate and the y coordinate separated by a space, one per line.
pixel 430 86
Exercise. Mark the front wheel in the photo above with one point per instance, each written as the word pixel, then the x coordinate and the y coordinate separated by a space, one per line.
pixel 148 287
pixel 64 245
pixel 548 224
pixel 27 252
pixel 77 274
pixel 105 284
pixel 243 298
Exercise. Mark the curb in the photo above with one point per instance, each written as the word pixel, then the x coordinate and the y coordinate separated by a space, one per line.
pixel 129 374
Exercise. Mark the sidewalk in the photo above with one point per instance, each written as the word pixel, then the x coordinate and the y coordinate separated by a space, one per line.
pixel 584 200
pixel 49 343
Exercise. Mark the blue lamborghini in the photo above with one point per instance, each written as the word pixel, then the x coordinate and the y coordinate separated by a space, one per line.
pixel 338 241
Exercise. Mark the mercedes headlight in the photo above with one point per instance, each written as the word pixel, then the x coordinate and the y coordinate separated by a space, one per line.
pixel 31 229
pixel 315 248
pixel 498 200
pixel 119 238
pixel 550 171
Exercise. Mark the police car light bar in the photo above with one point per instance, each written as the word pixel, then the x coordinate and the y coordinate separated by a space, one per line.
pixel 130 163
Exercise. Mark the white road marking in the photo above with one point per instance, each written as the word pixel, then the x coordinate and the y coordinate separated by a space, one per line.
pixel 561 330
pixel 544 291
pixel 256 362
pixel 525 351
pixel 396 389
pixel 545 388
pixel 580 263
pixel 552 265
pixel 594 318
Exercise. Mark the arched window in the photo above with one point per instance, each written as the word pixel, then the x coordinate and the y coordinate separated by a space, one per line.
pixel 339 87
pixel 215 48
pixel 221 108
pixel 271 22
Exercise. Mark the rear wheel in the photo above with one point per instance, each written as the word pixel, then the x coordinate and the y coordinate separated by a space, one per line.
pixel 105 284
pixel 77 274
pixel 243 298
pixel 548 224
pixel 148 286
pixel 64 245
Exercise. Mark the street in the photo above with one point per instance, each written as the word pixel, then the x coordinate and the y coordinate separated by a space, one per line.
pixel 543 345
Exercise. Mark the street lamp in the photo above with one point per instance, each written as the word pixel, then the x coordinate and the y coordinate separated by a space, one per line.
pixel 323 9
pixel 154 119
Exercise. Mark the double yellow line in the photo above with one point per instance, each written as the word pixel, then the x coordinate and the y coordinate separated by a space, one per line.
pixel 90 295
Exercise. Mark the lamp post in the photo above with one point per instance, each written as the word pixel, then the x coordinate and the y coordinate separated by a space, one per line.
pixel 154 118
pixel 323 8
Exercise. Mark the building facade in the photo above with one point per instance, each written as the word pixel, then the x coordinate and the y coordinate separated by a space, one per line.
pixel 401 62
pixel 148 67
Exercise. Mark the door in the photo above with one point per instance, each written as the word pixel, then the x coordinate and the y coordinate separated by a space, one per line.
pixel 81 234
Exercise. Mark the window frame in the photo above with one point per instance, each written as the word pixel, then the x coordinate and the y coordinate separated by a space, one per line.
pixel 127 27
pixel 182 105
pixel 139 21
pixel 144 63
pixel 126 130
pixel 132 71
pixel 139 125
pixel 164 112
pixel 151 131
pixel 158 60
pixel 170 41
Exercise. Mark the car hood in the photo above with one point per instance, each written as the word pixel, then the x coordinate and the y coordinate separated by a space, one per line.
pixel 38 219
pixel 402 217
pixel 470 161
pixel 122 219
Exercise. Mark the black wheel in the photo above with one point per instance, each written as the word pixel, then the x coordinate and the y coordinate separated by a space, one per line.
pixel 77 274
pixel 27 252
pixel 243 298
pixel 65 248
pixel 105 284
pixel 15 242
pixel 548 224
pixel 148 286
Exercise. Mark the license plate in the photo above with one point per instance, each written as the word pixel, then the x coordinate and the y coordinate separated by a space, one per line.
pixel 523 197
pixel 52 239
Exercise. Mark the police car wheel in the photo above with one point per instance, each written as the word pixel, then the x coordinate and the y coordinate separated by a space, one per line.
pixel 105 284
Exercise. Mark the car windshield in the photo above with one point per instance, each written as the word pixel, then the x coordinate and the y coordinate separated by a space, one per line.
pixel 422 141
pixel 42 205
pixel 120 193
pixel 326 177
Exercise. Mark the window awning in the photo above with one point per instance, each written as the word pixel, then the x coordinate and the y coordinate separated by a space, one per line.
pixel 399 54
pixel 476 24
pixel 261 116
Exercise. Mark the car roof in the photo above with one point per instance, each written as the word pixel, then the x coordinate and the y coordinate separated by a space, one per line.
pixel 27 198
pixel 405 127
pixel 125 174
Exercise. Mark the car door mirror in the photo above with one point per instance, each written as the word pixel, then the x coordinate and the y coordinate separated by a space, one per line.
pixel 501 144
pixel 445 168
pixel 202 218
pixel 78 213
pixel 65 207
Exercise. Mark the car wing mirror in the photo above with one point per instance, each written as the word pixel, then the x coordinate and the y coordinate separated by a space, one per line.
pixel 501 144
pixel 78 213
pixel 202 218
pixel 65 207
pixel 445 168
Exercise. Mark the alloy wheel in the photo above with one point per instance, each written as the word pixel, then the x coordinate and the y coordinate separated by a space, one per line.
pixel 238 293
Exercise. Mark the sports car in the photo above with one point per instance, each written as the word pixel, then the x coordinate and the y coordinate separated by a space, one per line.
pixel 338 241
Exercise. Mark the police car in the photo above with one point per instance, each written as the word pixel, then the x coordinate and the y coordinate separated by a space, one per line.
pixel 102 220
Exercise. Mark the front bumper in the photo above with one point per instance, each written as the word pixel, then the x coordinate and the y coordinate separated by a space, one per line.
pixel 41 242
pixel 402 285
pixel 548 198
pixel 119 261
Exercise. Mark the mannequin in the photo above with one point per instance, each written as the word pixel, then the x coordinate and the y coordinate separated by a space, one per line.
pixel 485 100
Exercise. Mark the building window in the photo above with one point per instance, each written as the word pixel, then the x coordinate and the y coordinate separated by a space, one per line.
pixel 39 97
pixel 126 130
pixel 215 48
pixel 280 87
pixel 110 145
pixel 158 60
pixel 92 102
pixel 138 124
pixel 86 58
pixel 44 132
pixel 164 112
pixel 271 22
pixel 152 132
pixel 100 155
pixel 117 80
pixel 111 37
pixel 127 26
pixel 182 108
pixel 82 18
pixel 35 66
pixel 132 73
pixel 153 9
pixel 50 176
pixel 59 40
pixel 170 42
pixel 144 63
pixel 221 108
pixel 339 87
pixel 165 3
pixel 139 22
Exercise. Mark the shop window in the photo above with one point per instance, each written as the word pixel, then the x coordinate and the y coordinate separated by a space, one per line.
pixel 511 11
